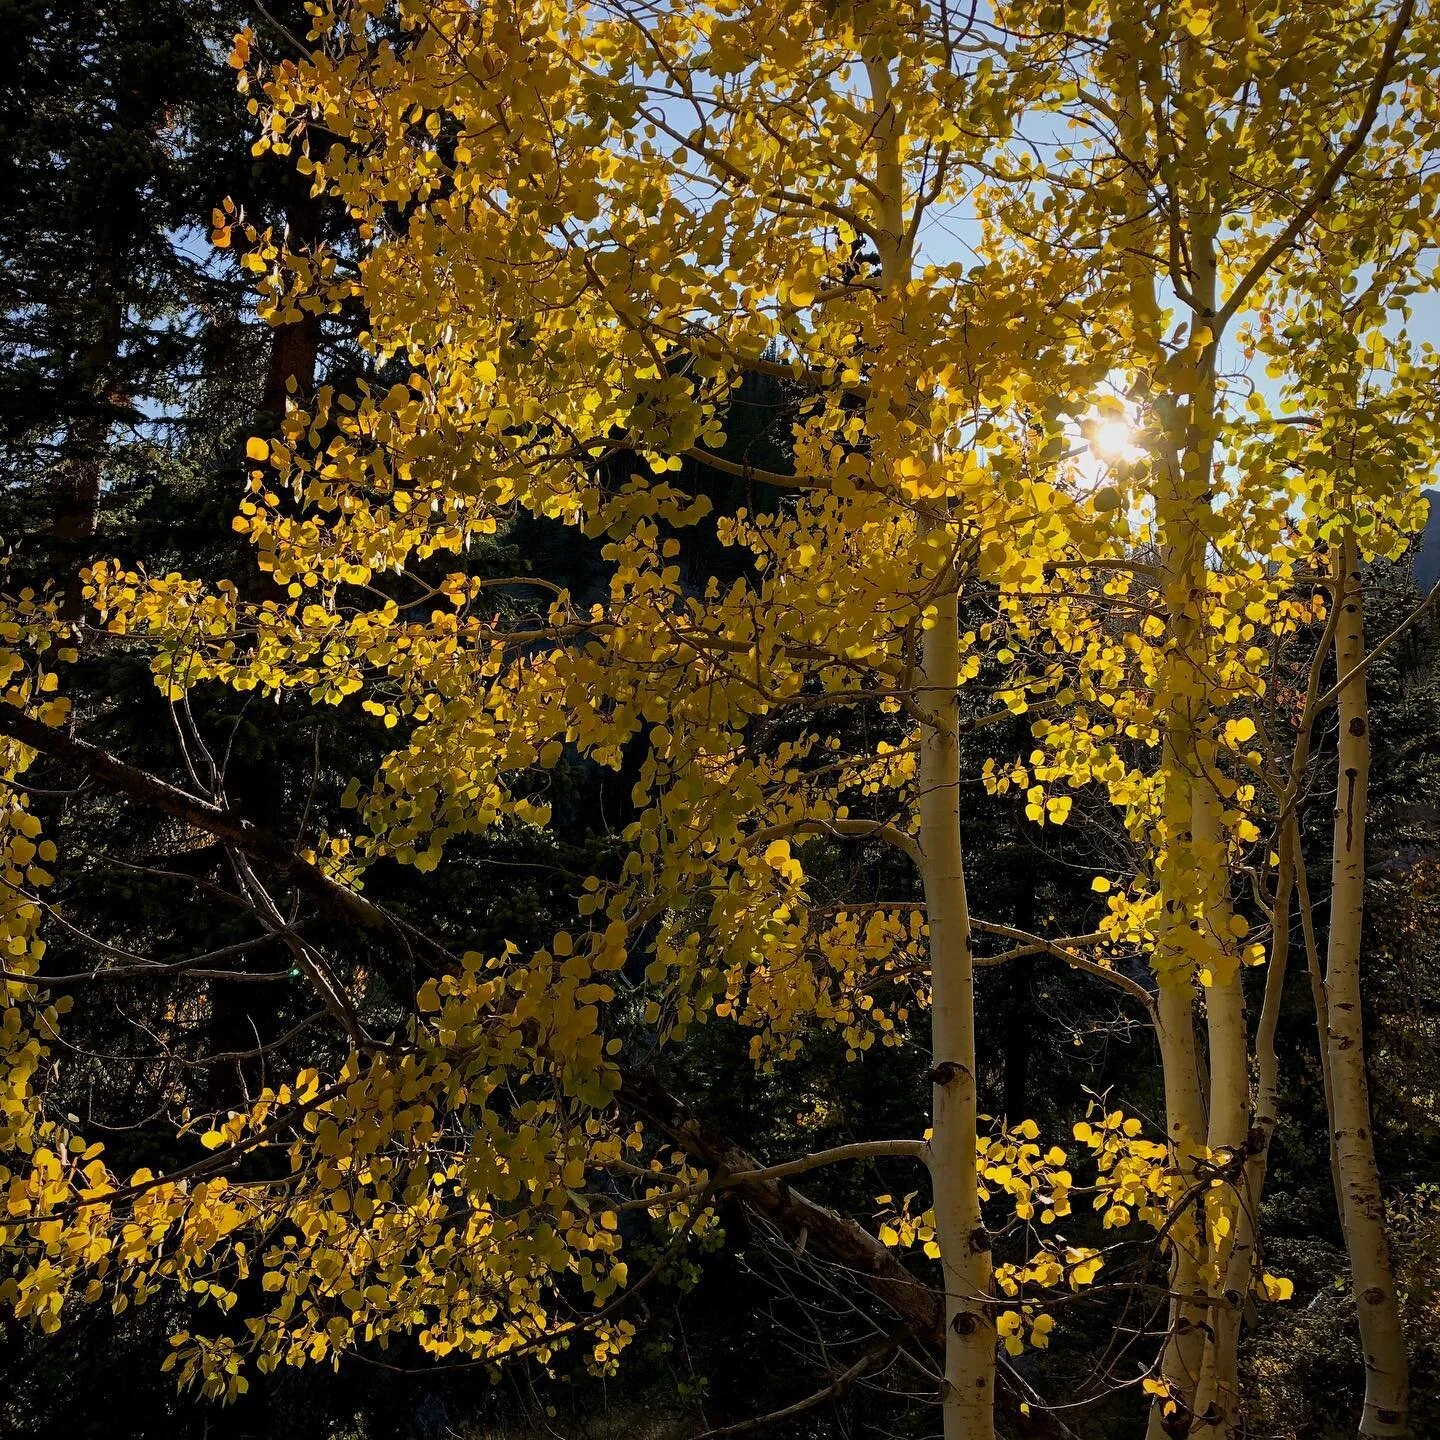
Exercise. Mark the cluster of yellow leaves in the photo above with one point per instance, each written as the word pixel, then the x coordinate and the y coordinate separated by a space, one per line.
pixel 35 1151
pixel 390 1182
pixel 1131 1172
pixel 1131 1177
pixel 420 1195
pixel 1038 1186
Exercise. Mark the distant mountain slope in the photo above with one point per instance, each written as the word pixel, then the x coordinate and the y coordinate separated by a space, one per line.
pixel 1427 557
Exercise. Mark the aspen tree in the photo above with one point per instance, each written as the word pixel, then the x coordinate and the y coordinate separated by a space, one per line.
pixel 1376 1304
pixel 959 1228
pixel 579 281
pixel 1177 101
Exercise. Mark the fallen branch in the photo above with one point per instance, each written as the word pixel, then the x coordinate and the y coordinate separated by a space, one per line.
pixel 841 1241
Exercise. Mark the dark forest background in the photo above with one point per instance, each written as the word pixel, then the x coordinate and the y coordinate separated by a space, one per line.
pixel 132 370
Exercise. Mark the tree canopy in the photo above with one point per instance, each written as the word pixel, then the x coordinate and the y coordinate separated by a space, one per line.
pixel 766 452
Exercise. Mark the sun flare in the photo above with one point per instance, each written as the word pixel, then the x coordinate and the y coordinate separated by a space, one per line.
pixel 1113 439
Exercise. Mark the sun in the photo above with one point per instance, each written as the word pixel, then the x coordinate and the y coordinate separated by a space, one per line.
pixel 1113 438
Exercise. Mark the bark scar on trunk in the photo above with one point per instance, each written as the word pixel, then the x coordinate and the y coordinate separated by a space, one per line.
pixel 946 1073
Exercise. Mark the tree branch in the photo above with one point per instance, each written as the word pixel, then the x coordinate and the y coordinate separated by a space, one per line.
pixel 841 1241
pixel 159 795
pixel 836 1155
pixel 743 471
pixel 1331 178
pixel 875 1355
pixel 855 829
pixel 1037 944
pixel 1379 649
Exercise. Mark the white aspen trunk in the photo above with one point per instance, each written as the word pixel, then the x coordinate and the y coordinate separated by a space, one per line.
pixel 1387 1380
pixel 1185 1123
pixel 1195 848
pixel 1195 875
pixel 1216 1400
pixel 1180 1357
pixel 1194 893
pixel 1183 702
pixel 969 1393
pixel 1241 1268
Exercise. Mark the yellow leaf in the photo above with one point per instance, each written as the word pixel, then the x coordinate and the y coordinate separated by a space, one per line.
pixel 803 288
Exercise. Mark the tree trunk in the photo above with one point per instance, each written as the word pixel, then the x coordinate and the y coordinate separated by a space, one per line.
pixel 1184 1124
pixel 968 1400
pixel 295 345
pixel 1322 1021
pixel 1382 1339
pixel 75 501
pixel 1216 1403
pixel 1193 938
pixel 1188 894
pixel 1241 1268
